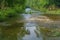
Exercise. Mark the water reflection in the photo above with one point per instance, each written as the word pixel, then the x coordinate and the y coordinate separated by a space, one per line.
pixel 12 33
pixel 12 30
pixel 49 33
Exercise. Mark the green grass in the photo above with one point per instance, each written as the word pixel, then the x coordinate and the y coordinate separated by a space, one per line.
pixel 57 11
pixel 47 11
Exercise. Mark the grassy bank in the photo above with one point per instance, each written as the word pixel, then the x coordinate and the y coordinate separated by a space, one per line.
pixel 57 11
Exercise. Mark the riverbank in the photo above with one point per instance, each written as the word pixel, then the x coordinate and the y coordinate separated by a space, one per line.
pixel 48 10
pixel 55 11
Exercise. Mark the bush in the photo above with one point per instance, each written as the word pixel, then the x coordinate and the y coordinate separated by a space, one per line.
pixel 11 8
pixel 8 13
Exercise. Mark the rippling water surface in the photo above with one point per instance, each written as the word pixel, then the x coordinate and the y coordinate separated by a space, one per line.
pixel 28 29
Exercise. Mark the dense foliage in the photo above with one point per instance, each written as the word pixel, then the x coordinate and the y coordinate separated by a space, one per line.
pixel 40 4
pixel 11 8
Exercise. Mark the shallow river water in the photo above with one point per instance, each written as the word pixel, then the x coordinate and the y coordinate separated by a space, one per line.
pixel 28 28
pixel 31 27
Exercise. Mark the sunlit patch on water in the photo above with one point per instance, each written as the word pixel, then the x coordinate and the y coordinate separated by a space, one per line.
pixel 31 27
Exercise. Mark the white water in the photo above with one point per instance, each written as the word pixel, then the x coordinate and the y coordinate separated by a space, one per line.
pixel 31 27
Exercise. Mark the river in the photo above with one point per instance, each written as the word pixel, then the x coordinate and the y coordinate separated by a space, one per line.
pixel 28 27
pixel 25 29
pixel 31 27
